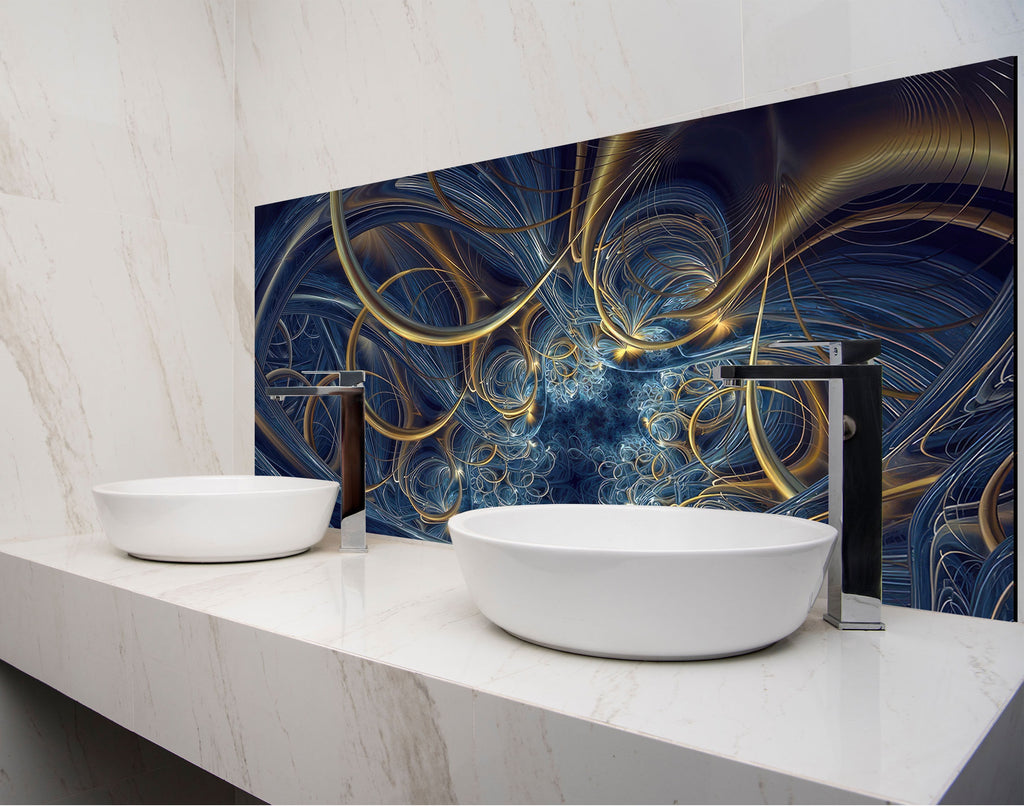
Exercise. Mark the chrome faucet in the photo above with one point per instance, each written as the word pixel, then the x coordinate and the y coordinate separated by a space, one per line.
pixel 350 388
pixel 854 470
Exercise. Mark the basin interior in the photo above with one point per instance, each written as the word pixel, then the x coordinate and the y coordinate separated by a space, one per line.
pixel 601 527
pixel 209 485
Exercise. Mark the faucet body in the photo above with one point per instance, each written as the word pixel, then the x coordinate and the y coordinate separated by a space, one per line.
pixel 349 388
pixel 854 592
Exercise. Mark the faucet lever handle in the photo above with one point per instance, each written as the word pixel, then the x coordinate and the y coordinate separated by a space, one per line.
pixel 351 377
pixel 846 351
pixel 860 351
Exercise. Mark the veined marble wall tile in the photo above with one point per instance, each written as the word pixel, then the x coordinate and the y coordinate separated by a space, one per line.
pixel 336 94
pixel 119 105
pixel 244 295
pixel 312 77
pixel 974 53
pixel 466 81
pixel 541 74
pixel 805 47
pixel 116 307
pixel 115 338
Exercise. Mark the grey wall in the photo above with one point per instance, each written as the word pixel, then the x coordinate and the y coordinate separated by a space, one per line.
pixel 54 750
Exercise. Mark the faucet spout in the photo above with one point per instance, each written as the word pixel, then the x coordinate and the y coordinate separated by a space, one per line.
pixel 854 470
pixel 349 387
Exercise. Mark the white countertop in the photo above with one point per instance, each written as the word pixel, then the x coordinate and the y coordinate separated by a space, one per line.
pixel 329 677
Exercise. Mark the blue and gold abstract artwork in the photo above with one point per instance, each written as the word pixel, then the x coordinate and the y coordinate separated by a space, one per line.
pixel 543 327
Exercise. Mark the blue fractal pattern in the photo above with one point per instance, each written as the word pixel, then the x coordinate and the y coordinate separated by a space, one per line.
pixel 543 327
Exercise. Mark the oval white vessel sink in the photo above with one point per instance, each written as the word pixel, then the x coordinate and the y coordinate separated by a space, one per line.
pixel 210 519
pixel 645 583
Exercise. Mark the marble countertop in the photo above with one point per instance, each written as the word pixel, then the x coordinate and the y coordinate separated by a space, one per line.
pixel 329 677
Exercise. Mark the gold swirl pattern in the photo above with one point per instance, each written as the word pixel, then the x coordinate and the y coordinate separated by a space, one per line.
pixel 543 327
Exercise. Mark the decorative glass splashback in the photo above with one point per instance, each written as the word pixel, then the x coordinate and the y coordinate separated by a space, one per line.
pixel 543 327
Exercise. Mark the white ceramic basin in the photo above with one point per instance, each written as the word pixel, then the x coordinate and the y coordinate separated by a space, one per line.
pixel 210 519
pixel 647 583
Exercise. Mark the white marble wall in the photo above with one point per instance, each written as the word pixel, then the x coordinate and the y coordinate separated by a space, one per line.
pixel 335 93
pixel 116 307
pixel 116 315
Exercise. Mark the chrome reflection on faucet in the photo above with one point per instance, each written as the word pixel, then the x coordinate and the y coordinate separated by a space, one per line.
pixel 854 470
pixel 349 388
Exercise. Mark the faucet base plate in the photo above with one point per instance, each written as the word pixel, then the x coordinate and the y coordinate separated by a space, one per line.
pixel 853 625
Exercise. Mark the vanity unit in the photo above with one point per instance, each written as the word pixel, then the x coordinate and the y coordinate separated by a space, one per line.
pixel 372 678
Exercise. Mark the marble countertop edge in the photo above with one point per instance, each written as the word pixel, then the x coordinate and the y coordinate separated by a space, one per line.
pixel 858 712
